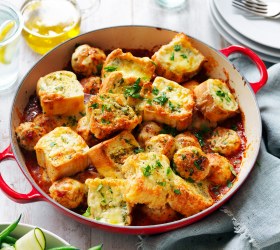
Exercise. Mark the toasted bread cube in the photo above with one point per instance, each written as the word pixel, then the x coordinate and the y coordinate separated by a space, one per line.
pixel 179 60
pixel 107 202
pixel 148 179
pixel 62 152
pixel 128 65
pixel 60 93
pixel 162 144
pixel 169 103
pixel 108 156
pixel 215 101
pixel 109 113
pixel 189 198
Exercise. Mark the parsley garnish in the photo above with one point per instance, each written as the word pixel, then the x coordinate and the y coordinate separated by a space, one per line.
pixel 147 171
pixel 177 191
pixel 162 99
pixel 161 183
pixel 52 144
pixel 72 121
pixel 189 179
pixel 168 130
pixel 197 163
pixel 87 213
pixel 134 90
pixel 177 47
pixel 100 186
pixel 105 121
pixel 232 170
pixel 94 105
pixel 222 95
pixel 229 184
pixel 184 56
pixel 199 136
pixel 168 171
pixel 110 68
pixel 172 56
pixel 138 150
pixel 155 91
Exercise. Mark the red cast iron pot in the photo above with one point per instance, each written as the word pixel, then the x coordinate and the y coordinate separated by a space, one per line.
pixel 139 37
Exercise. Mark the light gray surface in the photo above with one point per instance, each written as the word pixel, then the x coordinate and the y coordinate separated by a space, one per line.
pixel 194 20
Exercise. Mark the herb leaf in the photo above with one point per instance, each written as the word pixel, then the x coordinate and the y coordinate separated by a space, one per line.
pixel 134 90
pixel 162 99
pixel 110 68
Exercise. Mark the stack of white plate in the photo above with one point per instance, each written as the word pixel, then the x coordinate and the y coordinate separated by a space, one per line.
pixel 262 35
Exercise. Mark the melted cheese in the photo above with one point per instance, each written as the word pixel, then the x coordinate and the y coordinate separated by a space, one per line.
pixel 222 95
pixel 107 202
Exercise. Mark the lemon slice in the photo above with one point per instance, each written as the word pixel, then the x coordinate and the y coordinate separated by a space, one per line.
pixel 5 31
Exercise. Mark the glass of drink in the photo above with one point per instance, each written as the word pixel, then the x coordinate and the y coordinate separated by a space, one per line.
pixel 47 23
pixel 10 29
pixel 171 4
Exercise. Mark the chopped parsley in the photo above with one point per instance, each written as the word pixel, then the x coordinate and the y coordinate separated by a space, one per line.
pixel 177 191
pixel 222 95
pixel 72 120
pixel 171 106
pixel 87 213
pixel 168 171
pixel 232 170
pixel 189 179
pixel 52 144
pixel 177 47
pixel 110 68
pixel 158 164
pixel 161 183
pixel 162 99
pixel 168 130
pixel 199 136
pixel 94 105
pixel 104 121
pixel 147 171
pixel 229 184
pixel 138 150
pixel 198 162
pixel 100 186
pixel 172 56
pixel 134 90
pixel 184 56
pixel 155 91
pixel 169 88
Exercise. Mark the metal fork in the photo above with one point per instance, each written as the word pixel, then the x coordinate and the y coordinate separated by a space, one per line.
pixel 270 9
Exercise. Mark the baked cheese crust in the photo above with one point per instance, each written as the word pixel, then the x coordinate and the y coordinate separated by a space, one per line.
pixel 107 202
pixel 215 101
pixel 148 178
pixel 62 152
pixel 128 65
pixel 109 156
pixel 169 103
pixel 60 93
pixel 109 113
pixel 179 60
pixel 189 198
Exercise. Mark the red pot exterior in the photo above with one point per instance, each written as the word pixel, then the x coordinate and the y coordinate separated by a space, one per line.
pixel 139 37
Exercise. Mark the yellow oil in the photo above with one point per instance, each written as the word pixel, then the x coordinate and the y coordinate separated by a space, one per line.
pixel 47 23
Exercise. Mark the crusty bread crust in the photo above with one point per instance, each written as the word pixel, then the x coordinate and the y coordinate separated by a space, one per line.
pixel 192 63
pixel 208 106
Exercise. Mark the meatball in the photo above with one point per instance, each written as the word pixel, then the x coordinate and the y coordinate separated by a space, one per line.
pixel 91 84
pixel 159 215
pixel 68 192
pixel 220 169
pixel 186 139
pixel 87 60
pixel 162 144
pixel 224 141
pixel 191 162
pixel 47 122
pixel 28 134
pixel 147 131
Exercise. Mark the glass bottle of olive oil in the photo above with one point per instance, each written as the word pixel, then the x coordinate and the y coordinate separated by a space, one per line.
pixel 47 23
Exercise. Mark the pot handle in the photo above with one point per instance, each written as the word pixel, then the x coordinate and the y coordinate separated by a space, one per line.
pixel 256 86
pixel 32 196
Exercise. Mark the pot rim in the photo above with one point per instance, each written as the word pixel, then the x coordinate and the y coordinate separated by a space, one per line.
pixel 138 229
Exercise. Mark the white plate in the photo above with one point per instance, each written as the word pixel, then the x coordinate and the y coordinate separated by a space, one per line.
pixel 233 40
pixel 52 240
pixel 249 43
pixel 261 30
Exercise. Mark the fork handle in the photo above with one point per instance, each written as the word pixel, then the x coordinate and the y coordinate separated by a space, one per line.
pixel 256 86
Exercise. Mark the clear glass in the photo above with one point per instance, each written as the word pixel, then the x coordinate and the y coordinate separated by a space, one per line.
pixel 10 29
pixel 48 23
pixel 171 4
